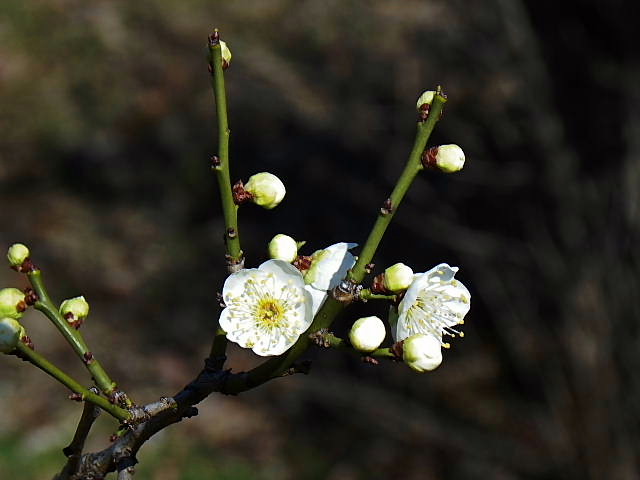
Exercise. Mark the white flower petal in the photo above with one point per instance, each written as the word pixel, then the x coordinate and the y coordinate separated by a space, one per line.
pixel 317 298
pixel 330 266
pixel 282 269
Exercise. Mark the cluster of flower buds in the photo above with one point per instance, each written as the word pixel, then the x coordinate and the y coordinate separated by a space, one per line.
pixel 13 303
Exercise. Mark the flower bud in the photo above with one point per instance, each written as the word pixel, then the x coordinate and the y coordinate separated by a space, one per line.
pixel 446 158
pixel 17 254
pixel 397 277
pixel 266 189
pixel 422 352
pixel 367 334
pixel 283 247
pixel 10 333
pixel 425 99
pixel 226 54
pixel 12 303
pixel 74 309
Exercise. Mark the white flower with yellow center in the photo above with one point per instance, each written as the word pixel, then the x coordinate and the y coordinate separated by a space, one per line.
pixel 328 268
pixel 434 304
pixel 267 308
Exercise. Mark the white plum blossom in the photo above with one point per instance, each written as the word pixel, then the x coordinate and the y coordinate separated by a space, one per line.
pixel 267 308
pixel 433 305
pixel 328 268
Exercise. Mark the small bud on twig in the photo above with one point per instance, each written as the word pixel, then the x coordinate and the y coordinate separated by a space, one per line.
pixel 283 247
pixel 446 158
pixel 12 303
pixel 367 334
pixel 17 254
pixel 10 333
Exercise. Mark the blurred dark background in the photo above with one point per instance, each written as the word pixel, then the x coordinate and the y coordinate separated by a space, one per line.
pixel 106 126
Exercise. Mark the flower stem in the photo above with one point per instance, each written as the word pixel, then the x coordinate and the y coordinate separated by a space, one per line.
pixel 414 165
pixel 43 364
pixel 366 294
pixel 73 336
pixel 221 165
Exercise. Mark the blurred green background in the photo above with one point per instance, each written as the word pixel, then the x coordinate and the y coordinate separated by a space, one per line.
pixel 106 126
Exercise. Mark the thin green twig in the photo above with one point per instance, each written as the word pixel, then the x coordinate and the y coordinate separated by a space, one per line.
pixel 221 164
pixel 25 352
pixel 72 335
pixel 413 167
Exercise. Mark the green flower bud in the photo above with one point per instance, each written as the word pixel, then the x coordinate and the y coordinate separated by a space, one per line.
pixel 283 247
pixel 266 189
pixel 397 277
pixel 367 334
pixel 425 99
pixel 12 303
pixel 446 158
pixel 422 352
pixel 226 54
pixel 74 309
pixel 17 254
pixel 10 333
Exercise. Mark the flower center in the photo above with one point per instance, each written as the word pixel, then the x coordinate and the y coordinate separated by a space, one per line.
pixel 270 312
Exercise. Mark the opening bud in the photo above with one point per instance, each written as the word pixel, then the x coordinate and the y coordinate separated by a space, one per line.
pixel 266 189
pixel 424 100
pixel 74 309
pixel 367 334
pixel 283 247
pixel 10 333
pixel 12 303
pixel 17 254
pixel 226 54
pixel 398 277
pixel 422 352
pixel 446 158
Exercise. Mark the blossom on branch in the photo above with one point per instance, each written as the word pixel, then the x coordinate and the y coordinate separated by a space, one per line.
pixel 267 308
pixel 434 304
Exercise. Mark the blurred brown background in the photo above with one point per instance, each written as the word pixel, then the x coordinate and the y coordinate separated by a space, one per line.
pixel 106 126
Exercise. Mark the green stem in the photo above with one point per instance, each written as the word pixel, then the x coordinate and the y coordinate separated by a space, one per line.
pixel 414 165
pixel 229 208
pixel 49 368
pixel 383 353
pixel 366 294
pixel 72 335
